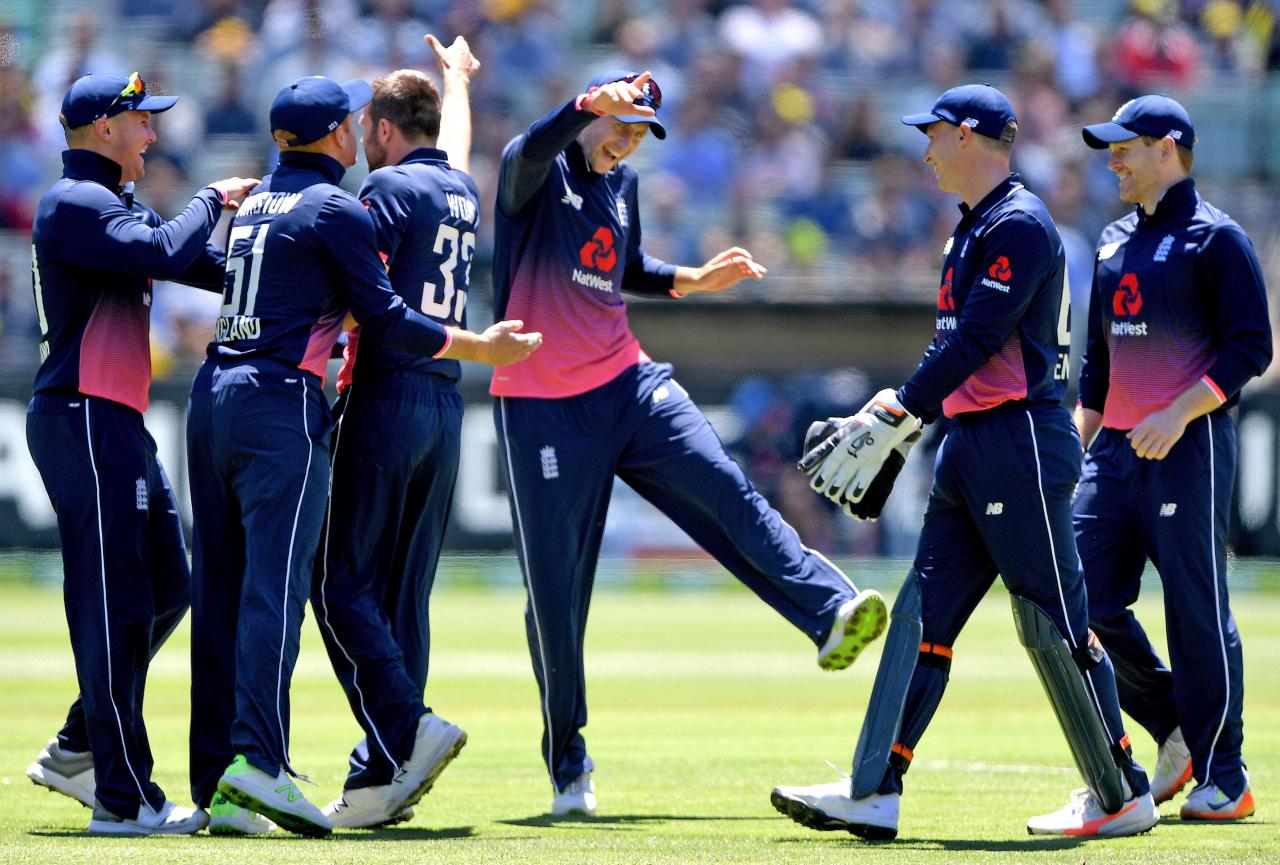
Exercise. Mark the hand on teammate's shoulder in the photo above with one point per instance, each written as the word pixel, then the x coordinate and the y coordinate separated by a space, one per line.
pixel 234 190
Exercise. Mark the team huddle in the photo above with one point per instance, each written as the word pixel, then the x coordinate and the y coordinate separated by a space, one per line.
pixel 346 505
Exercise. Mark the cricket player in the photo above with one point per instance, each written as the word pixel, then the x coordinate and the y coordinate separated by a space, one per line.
pixel 1001 498
pixel 591 405
pixel 1178 324
pixel 302 252
pixel 397 435
pixel 95 250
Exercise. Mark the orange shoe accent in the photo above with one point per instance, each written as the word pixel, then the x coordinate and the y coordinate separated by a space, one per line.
pixel 1245 808
pixel 1173 789
pixel 1093 827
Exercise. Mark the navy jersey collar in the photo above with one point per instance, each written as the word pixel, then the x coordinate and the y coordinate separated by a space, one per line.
pixel 1002 189
pixel 329 167
pixel 87 165
pixel 425 154
pixel 1178 200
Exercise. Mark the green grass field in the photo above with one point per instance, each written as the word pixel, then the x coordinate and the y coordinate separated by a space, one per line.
pixel 701 701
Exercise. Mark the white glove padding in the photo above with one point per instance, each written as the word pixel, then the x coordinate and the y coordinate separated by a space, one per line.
pixel 867 440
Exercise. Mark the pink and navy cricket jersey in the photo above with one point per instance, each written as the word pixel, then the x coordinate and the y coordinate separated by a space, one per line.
pixel 1003 309
pixel 94 253
pixel 567 245
pixel 424 215
pixel 1178 298
pixel 302 253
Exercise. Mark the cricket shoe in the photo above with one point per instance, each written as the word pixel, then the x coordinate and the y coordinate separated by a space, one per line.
pixel 1208 802
pixel 1084 817
pixel 365 808
pixel 278 799
pixel 578 798
pixel 829 808
pixel 858 621
pixel 67 772
pixel 169 820
pixel 228 818
pixel 1173 767
pixel 435 745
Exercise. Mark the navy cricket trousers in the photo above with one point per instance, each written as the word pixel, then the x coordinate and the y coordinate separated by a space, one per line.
pixel 561 456
pixel 395 443
pixel 258 457
pixel 1001 505
pixel 126 584
pixel 1175 512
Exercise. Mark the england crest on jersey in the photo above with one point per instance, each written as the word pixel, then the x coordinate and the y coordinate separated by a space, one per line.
pixel 621 204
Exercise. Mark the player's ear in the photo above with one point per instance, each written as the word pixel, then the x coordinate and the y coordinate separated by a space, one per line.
pixel 384 130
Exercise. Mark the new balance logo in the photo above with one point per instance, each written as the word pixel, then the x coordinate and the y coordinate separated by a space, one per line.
pixel 140 493
pixel 1168 509
pixel 574 201
pixel 292 793
pixel 550 466
pixel 995 508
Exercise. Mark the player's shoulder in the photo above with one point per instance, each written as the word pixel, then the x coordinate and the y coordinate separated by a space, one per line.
pixel 1022 214
pixel 1216 220
pixel 1118 231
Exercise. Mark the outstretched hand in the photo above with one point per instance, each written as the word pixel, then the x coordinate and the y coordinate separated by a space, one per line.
pixel 722 271
pixel 457 59
pixel 506 344
pixel 618 98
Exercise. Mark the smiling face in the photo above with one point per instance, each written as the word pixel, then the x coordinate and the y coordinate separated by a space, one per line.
pixel 943 154
pixel 607 141
pixel 127 137
pixel 1138 164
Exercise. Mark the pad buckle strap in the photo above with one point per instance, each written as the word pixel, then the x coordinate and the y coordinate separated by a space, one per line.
pixel 936 655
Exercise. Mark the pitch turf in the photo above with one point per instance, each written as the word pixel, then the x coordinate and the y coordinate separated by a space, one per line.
pixel 701 702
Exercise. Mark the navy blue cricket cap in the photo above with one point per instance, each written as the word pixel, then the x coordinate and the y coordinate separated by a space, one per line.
pixel 652 98
pixel 1156 116
pixel 987 111
pixel 104 94
pixel 312 107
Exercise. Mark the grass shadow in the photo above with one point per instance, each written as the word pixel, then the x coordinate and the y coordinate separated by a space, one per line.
pixel 403 833
pixel 1012 845
pixel 609 821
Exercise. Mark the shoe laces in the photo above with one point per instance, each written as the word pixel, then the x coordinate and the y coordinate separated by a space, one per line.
pixel 841 772
pixel 1081 799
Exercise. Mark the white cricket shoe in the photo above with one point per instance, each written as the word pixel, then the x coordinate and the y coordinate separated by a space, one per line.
pixel 578 798
pixel 276 798
pixel 228 818
pixel 1208 802
pixel 67 772
pixel 169 820
pixel 1173 767
pixel 1083 817
pixel 829 807
pixel 366 808
pixel 435 745
pixel 859 620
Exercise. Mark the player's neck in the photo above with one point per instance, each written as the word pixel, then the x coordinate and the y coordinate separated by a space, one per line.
pixel 1150 202
pixel 398 150
pixel 982 177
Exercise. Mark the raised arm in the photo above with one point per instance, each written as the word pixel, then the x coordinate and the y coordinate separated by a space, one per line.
pixel 457 66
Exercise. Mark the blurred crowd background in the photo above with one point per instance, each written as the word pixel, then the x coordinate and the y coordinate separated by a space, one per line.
pixel 783 119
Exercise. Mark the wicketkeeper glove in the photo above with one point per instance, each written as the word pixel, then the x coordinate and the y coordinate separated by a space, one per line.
pixel 843 465
pixel 872 504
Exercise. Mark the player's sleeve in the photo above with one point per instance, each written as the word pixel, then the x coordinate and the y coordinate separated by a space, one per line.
pixel 1015 254
pixel 527 158
pixel 346 234
pixel 644 274
pixel 389 200
pixel 1241 322
pixel 1095 365
pixel 93 228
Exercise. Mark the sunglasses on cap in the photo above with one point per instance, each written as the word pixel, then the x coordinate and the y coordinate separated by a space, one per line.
pixel 135 87
pixel 652 92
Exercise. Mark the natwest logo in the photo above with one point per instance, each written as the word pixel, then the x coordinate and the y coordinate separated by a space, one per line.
pixel 598 252
pixel 1127 301
pixel 1000 269
pixel 946 303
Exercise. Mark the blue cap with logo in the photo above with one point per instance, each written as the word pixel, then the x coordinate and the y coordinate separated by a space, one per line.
pixel 104 94
pixel 651 98
pixel 987 111
pixel 312 107
pixel 1156 115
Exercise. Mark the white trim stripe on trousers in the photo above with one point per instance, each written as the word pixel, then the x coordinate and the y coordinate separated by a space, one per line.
pixel 106 617
pixel 533 605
